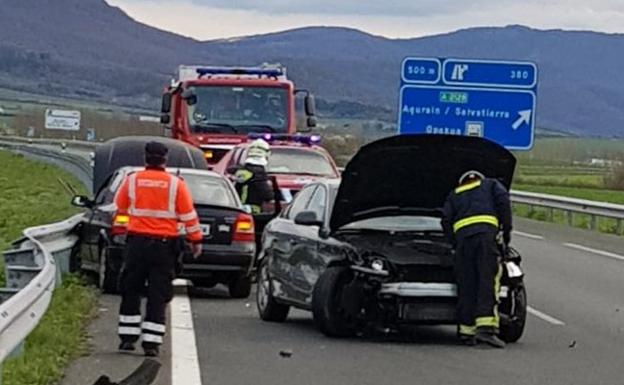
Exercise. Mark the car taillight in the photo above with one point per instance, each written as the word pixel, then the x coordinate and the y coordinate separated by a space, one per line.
pixel 244 229
pixel 120 224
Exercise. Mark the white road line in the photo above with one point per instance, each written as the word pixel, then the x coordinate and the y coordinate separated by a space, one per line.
pixel 595 251
pixel 184 359
pixel 545 317
pixel 528 235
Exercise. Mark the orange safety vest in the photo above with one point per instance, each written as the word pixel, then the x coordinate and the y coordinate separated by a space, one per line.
pixel 157 204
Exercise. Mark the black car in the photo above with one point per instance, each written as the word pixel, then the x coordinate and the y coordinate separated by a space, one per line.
pixel 229 242
pixel 370 251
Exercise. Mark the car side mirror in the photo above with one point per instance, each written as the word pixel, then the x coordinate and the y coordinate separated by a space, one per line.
pixel 189 96
pixel 82 201
pixel 309 104
pixel 311 122
pixel 165 106
pixel 308 218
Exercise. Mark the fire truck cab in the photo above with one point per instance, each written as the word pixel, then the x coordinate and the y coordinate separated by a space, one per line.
pixel 216 108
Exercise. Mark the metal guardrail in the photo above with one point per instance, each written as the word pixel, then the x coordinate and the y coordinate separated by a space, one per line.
pixel 33 269
pixel 80 166
pixel 571 206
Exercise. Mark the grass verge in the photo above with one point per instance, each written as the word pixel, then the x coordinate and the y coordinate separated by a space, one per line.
pixel 59 338
pixel 31 195
pixel 592 194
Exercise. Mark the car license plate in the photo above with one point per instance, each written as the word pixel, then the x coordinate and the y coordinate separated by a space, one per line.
pixel 205 229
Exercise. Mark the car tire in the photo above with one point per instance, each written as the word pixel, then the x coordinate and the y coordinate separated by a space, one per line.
pixel 325 302
pixel 108 278
pixel 269 309
pixel 240 287
pixel 512 328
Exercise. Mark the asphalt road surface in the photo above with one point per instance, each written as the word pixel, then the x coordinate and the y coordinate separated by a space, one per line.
pixel 574 333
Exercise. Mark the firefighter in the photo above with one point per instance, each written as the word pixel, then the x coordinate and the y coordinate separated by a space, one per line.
pixel 252 181
pixel 473 216
pixel 158 205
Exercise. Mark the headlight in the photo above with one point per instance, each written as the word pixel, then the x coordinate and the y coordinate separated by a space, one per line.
pixel 377 265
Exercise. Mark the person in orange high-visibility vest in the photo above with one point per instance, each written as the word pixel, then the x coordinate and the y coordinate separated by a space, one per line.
pixel 157 205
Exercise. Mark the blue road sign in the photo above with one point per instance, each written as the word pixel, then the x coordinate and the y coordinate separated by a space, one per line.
pixel 491 99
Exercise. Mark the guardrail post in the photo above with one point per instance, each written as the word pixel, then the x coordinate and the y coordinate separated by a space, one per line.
pixel 570 217
pixel 619 227
pixel 592 222
pixel 550 214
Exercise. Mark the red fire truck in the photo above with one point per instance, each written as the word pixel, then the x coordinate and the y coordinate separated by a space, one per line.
pixel 216 108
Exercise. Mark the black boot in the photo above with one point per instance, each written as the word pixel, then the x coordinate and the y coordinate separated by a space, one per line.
pixel 490 339
pixel 151 351
pixel 126 346
pixel 467 340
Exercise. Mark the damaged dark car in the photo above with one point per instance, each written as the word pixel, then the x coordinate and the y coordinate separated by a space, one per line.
pixel 369 251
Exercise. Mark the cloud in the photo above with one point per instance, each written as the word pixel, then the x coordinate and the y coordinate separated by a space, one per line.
pixel 211 19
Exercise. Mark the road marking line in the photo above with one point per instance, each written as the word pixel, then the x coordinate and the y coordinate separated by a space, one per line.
pixel 595 251
pixel 528 235
pixel 184 358
pixel 545 317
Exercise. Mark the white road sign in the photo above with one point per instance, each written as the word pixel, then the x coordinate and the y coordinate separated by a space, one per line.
pixel 62 120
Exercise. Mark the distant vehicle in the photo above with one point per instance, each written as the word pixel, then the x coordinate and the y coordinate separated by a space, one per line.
pixel 295 161
pixel 215 108
pixel 370 250
pixel 228 246
pixel 130 151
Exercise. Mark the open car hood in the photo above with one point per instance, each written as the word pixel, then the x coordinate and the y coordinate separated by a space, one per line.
pixel 413 174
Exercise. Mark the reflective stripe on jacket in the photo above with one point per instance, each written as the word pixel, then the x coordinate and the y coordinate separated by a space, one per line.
pixel 157 203
pixel 480 206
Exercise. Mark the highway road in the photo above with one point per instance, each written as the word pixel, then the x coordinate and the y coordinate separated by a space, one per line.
pixel 574 333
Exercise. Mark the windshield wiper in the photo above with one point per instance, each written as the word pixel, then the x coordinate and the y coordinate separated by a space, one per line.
pixel 212 127
pixel 265 127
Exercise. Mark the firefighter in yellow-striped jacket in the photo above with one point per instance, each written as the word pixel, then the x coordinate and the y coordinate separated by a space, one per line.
pixel 251 181
pixel 474 213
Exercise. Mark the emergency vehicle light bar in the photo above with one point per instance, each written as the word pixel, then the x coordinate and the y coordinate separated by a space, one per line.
pixel 295 138
pixel 269 72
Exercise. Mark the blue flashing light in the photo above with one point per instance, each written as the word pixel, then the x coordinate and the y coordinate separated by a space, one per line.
pixel 309 140
pixel 269 72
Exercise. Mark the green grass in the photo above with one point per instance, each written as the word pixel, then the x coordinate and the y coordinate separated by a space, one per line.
pixel 603 225
pixel 593 194
pixel 31 195
pixel 60 337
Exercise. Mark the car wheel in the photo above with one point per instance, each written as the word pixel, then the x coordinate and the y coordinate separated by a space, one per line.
pixel 240 287
pixel 109 273
pixel 512 326
pixel 269 309
pixel 329 315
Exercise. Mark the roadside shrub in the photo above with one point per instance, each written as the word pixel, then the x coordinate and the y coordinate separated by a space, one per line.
pixel 615 180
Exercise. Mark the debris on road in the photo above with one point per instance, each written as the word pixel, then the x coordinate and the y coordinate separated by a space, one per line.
pixel 286 353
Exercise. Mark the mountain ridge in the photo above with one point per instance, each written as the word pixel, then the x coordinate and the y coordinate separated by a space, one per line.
pixel 89 49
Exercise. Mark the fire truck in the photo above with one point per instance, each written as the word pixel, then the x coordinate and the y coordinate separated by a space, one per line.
pixel 216 108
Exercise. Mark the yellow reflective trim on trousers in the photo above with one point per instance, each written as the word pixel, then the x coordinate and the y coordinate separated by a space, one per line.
pixel 467 330
pixel 487 321
pixel 466 187
pixel 244 194
pixel 476 219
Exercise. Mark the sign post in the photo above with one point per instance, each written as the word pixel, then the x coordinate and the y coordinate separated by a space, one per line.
pixel 491 99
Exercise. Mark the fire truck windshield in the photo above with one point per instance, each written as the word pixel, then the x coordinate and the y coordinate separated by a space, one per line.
pixel 239 110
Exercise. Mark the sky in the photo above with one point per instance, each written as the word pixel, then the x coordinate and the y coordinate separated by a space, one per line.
pixel 216 19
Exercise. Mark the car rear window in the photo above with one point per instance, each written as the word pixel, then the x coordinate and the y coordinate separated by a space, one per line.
pixel 209 190
pixel 299 161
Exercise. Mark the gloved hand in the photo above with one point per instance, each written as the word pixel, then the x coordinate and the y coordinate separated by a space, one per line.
pixel 196 249
pixel 507 238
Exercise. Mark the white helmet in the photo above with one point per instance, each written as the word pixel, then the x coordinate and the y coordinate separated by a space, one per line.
pixel 258 153
pixel 471 175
